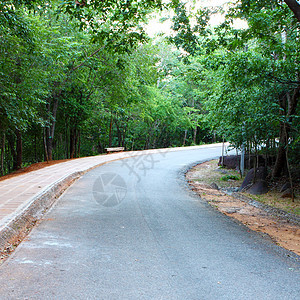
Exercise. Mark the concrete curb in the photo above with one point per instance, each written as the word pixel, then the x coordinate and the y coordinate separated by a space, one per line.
pixel 27 215
pixel 18 225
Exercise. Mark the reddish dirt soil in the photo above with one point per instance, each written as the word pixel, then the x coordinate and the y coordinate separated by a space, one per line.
pixel 4 253
pixel 33 167
pixel 283 233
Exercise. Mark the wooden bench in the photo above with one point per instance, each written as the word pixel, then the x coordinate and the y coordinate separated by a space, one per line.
pixel 115 149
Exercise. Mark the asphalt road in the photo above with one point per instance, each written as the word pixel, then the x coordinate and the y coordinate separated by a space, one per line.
pixel 132 229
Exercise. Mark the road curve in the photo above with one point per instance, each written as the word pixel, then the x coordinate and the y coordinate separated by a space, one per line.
pixel 132 229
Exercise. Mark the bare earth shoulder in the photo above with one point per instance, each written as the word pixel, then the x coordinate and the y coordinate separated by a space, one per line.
pixel 203 178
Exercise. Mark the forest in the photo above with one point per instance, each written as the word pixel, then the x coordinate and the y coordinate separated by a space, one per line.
pixel 79 76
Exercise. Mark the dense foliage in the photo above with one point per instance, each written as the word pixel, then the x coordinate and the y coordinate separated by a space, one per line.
pixel 79 76
pixel 74 83
pixel 250 78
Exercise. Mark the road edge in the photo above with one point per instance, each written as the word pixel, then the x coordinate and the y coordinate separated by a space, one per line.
pixel 17 227
pixel 24 219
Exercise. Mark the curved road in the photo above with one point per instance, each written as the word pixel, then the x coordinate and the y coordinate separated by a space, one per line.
pixel 131 229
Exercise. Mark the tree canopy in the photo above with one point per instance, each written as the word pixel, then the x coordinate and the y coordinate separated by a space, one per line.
pixel 79 76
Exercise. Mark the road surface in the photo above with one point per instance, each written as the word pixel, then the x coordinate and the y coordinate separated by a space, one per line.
pixel 132 229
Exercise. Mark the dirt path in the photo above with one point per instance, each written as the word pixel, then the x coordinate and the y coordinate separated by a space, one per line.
pixel 281 231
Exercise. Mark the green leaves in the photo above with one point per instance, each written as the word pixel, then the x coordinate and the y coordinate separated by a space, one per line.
pixel 185 36
pixel 117 24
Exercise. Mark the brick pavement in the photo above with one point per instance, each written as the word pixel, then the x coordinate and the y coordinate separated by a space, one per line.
pixel 25 197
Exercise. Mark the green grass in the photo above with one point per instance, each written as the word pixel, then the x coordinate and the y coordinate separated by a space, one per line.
pixel 229 177
pixel 211 173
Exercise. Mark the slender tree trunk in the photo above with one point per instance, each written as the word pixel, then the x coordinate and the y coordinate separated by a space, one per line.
pixel 255 163
pixel 49 144
pixel 8 164
pixel 289 170
pixel 294 7
pixel 249 154
pixel 72 142
pixel 66 140
pixel 125 132
pixel 2 154
pixel 79 143
pixel 51 128
pixel 76 143
pixel 119 134
pixel 15 145
pixel 242 162
pixel 280 163
pixel 195 135
pixel 223 152
pixel 11 142
pixel 19 149
pixel 74 133
pixel 45 145
pixel 289 105
pixel 100 147
pixel 35 148
pixel 110 131
pixel 99 144
pixel 184 137
pixel 267 153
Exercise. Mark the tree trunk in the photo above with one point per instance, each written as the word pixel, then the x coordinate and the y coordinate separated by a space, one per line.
pixel 280 163
pixel 19 150
pixel 72 142
pixel 100 147
pixel 79 144
pixel 255 163
pixel 45 145
pixel 11 143
pixel 184 137
pixel 35 148
pixel 49 143
pixel 110 131
pixel 125 133
pixel 2 154
pixel 289 105
pixel 223 150
pixel 119 133
pixel 51 127
pixel 289 170
pixel 295 8
pixel 195 135
pixel 66 133
pixel 15 146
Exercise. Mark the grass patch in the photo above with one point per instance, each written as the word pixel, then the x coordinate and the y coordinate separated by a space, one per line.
pixel 210 172
pixel 229 177
pixel 273 199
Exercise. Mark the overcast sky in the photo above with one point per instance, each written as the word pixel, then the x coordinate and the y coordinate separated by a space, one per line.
pixel 154 27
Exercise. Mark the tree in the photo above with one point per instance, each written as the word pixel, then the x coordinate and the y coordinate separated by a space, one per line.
pixel 240 103
pixel 18 73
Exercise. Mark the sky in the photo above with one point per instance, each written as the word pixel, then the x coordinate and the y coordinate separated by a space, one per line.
pixel 154 27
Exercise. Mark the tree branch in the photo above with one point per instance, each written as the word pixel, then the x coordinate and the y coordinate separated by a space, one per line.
pixel 295 7
pixel 284 81
pixel 91 55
